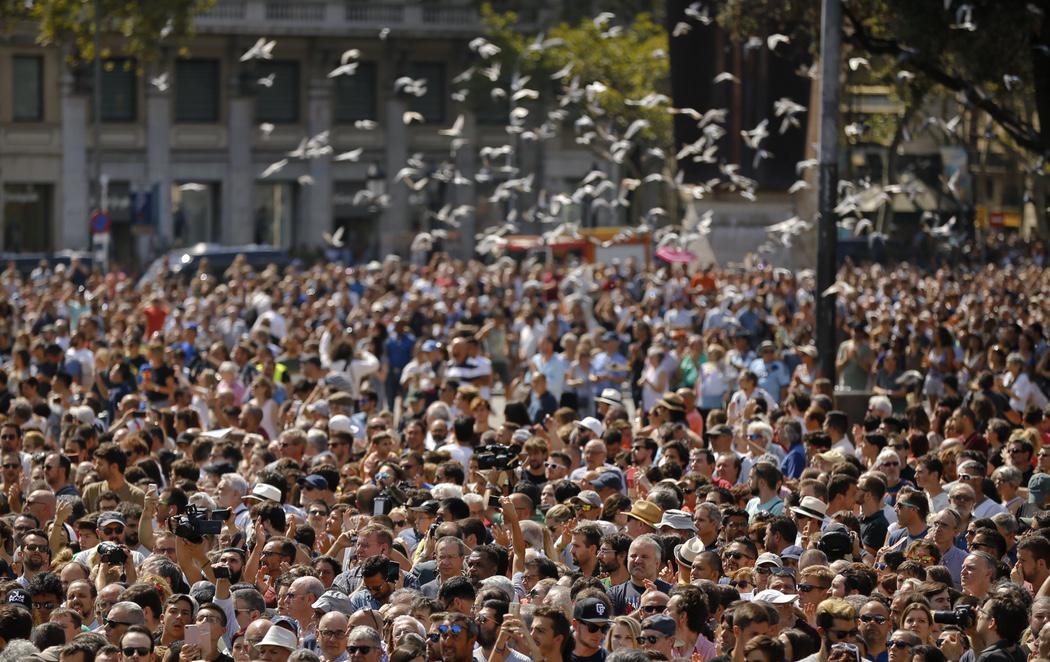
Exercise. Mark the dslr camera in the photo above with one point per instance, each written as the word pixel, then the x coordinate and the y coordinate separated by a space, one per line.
pixel 197 523
pixel 111 553
pixel 962 616
pixel 495 456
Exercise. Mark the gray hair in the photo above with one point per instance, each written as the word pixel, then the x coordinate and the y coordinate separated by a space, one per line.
pixel 133 610
pixel 303 655
pixel 312 585
pixel 452 540
pixel 237 483
pixel 533 534
pixel 366 632
pixel 712 510
pixel 650 539
pixel 412 621
pixel 499 582
pixel 17 649
pixel 1009 475
pixel 1006 521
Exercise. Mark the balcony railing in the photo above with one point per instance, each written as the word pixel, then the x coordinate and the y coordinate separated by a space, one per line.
pixel 276 17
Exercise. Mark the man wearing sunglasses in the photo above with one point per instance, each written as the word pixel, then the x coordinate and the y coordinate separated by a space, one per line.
pixel 658 635
pixel 458 635
pixel 973 473
pixel 590 622
pixel 836 623
pixel 875 624
pixel 136 645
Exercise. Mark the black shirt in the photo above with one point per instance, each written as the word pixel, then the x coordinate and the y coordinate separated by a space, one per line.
pixel 873 529
pixel 1003 651
pixel 597 657
pixel 627 596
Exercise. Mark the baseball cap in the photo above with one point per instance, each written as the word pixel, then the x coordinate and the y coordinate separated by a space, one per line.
pixel 768 557
pixel 20 597
pixel 333 600
pixel 590 497
pixel 593 424
pixel 774 596
pixel 719 430
pixel 280 637
pixel 430 507
pixel 1038 487
pixel 521 435
pixel 791 552
pixel 341 423
pixel 109 517
pixel 591 610
pixel 314 482
pixel 662 623
pixel 607 480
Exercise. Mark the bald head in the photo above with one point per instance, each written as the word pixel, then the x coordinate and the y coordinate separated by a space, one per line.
pixel 310 585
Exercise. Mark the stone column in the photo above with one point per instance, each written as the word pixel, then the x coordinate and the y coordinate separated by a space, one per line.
pixel 395 233
pixel 158 156
pixel 73 223
pixel 318 205
pixel 238 221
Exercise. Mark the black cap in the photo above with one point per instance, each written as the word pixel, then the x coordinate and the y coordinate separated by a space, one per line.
pixel 591 610
pixel 430 507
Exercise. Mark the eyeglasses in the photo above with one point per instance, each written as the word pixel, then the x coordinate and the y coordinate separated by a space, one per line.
pixel 133 651
pixel 363 650
pixel 960 498
pixel 688 490
pixel 889 464
pixel 754 436
pixel 331 634
pixel 399 523
pixel 647 639
pixel 737 555
pixel 594 627
pixel 843 634
pixel 898 643
pixel 873 618
pixel 113 530
pixel 1017 451
pixel 741 583
pixel 552 465
pixel 8 437
pixel 318 513
pixel 44 605
pixel 434 637
pixel 109 622
pixel 35 548
pixel 450 630
pixel 11 465
pixel 806 588
pixel 654 609
pixel 967 477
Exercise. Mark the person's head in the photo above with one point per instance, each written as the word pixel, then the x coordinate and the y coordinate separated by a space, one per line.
pixel 764 648
pixel 458 633
pixel 552 632
pixel 36 552
pixel 136 645
pixel 482 562
pixel 1004 615
pixel 45 590
pixel 110 461
pixel 80 597
pixel 750 620
pixel 978 571
pixel 944 527
pixel 364 644
pixel 248 605
pixel 121 617
pixel 1033 557
pixel 916 617
pixel 900 644
pixel 179 611
pixel 644 559
pixel 836 622
pixel 889 463
pixel 332 634
pixel 658 635
pixel 875 621
pixel 374 578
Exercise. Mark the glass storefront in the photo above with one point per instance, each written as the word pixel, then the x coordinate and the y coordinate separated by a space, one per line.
pixel 275 213
pixel 27 217
pixel 194 213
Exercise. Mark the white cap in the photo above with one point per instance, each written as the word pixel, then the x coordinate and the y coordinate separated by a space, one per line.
pixel 281 637
pixel 341 423
pixel 774 596
pixel 593 424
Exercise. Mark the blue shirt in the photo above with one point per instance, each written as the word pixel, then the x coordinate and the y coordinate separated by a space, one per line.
pixel 601 366
pixel 794 462
pixel 774 506
pixel 399 350
pixel 362 599
pixel 772 376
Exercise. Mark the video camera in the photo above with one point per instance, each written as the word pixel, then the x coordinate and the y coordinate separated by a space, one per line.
pixel 495 456
pixel 963 616
pixel 111 553
pixel 197 523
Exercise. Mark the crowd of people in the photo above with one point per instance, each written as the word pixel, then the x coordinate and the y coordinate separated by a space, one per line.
pixel 462 461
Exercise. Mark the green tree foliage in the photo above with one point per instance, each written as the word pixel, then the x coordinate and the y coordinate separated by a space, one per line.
pixel 992 55
pixel 145 25
pixel 623 62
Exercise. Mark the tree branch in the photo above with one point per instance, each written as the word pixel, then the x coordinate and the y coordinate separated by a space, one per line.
pixel 1023 133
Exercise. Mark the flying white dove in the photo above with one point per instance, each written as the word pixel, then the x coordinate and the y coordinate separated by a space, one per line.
pixel 455 130
pixel 725 77
pixel 484 48
pixel 856 63
pixel 261 50
pixel 352 155
pixel 161 82
pixel 274 168
pixel 266 81
pixel 774 40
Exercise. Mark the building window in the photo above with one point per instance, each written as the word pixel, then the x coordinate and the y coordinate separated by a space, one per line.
pixel 432 104
pixel 279 102
pixel 195 212
pixel 119 91
pixel 197 91
pixel 27 218
pixel 28 88
pixel 355 96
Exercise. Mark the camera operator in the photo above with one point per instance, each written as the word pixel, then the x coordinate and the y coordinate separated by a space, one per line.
pixel 110 531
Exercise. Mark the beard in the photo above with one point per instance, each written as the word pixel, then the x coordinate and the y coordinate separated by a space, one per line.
pixel 34 565
pixel 608 566
pixel 486 637
pixel 131 539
